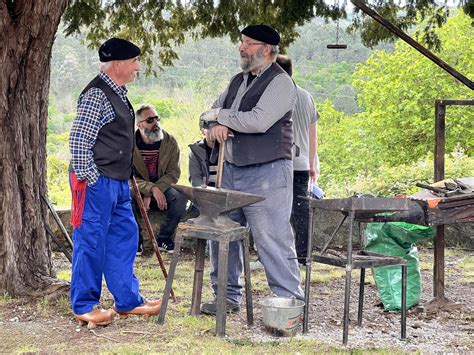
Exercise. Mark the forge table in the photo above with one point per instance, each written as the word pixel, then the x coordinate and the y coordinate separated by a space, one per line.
pixel 440 211
pixel 360 209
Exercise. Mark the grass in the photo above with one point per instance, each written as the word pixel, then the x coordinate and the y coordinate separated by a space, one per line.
pixel 467 267
pixel 181 332
pixel 27 349
pixel 5 297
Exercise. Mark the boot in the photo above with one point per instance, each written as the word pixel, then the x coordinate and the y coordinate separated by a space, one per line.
pixel 96 317
pixel 149 308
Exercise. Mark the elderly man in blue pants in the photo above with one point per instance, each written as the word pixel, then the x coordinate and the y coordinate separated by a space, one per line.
pixel 105 231
pixel 256 107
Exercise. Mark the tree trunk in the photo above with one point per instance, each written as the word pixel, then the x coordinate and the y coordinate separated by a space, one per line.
pixel 27 30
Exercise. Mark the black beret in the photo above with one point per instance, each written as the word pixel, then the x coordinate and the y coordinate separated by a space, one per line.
pixel 117 49
pixel 262 33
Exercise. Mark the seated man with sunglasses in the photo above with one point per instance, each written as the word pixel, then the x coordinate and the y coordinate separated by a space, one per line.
pixel 156 165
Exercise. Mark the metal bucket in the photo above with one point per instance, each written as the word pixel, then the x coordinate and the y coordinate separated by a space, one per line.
pixel 282 316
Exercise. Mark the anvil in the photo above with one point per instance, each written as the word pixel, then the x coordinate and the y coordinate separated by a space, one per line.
pixel 214 204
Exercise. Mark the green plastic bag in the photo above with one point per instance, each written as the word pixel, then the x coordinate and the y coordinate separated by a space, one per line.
pixel 397 239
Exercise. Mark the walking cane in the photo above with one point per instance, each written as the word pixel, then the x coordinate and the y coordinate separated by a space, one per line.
pixel 150 232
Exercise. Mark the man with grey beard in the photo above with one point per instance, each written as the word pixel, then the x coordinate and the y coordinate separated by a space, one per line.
pixel 156 165
pixel 256 107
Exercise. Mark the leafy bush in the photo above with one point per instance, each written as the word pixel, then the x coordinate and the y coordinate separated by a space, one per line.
pixel 58 183
pixel 391 180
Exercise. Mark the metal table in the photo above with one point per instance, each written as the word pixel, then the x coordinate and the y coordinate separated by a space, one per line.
pixel 360 209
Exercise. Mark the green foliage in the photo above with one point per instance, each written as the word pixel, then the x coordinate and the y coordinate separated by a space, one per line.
pixel 58 183
pixel 359 153
pixel 391 180
pixel 159 26
pixel 383 150
pixel 397 93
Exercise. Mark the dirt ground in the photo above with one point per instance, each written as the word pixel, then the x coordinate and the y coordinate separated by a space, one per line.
pixel 49 326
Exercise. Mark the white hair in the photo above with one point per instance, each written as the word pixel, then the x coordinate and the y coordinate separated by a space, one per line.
pixel 105 66
pixel 274 52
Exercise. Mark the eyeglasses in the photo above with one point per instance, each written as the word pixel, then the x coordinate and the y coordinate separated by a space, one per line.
pixel 151 119
pixel 248 43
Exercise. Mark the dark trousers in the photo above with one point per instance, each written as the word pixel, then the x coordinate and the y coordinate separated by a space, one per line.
pixel 299 213
pixel 176 209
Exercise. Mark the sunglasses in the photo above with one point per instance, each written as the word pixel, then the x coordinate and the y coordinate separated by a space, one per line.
pixel 152 119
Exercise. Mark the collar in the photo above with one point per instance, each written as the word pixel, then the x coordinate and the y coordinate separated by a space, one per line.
pixel 260 72
pixel 120 90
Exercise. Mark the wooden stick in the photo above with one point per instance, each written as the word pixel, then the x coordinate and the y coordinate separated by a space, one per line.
pixel 102 336
pixel 57 219
pixel 220 164
pixel 150 232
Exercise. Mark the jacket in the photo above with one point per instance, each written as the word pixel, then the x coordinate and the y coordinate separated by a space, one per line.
pixel 168 166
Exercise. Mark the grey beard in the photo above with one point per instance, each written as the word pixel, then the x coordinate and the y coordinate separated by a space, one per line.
pixel 154 136
pixel 253 62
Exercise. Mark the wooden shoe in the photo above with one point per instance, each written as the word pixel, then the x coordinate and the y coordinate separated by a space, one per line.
pixel 96 317
pixel 149 308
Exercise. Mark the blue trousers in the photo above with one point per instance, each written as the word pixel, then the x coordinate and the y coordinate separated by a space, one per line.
pixel 269 221
pixel 105 244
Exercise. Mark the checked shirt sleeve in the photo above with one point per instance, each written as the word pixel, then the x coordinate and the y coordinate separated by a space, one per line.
pixel 93 111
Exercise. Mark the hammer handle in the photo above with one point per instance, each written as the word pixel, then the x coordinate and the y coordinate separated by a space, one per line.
pixel 220 164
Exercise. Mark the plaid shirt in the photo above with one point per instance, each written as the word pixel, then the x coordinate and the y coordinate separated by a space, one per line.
pixel 94 111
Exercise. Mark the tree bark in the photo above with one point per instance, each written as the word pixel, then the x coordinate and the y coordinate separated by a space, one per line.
pixel 27 30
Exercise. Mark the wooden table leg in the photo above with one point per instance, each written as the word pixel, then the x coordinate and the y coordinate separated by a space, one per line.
pixel 198 277
pixel 222 270
pixel 169 282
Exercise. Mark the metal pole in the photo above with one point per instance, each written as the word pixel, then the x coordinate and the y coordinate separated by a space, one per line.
pixel 347 291
pixel 404 302
pixel 309 259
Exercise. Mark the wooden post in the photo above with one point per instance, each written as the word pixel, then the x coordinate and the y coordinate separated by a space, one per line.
pixel 440 142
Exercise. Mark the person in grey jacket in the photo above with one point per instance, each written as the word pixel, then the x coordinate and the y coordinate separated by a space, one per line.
pixel 256 108
pixel 200 162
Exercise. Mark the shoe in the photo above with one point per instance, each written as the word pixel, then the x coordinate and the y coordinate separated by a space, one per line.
pixel 165 244
pixel 96 317
pixel 148 308
pixel 211 308
pixel 140 249
pixel 256 265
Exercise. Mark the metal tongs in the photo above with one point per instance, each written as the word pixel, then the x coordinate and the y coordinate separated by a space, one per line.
pixel 450 188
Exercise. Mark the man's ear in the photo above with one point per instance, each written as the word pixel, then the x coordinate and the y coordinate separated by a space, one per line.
pixel 268 49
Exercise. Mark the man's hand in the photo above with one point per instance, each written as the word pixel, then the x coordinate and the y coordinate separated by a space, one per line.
pixel 159 197
pixel 313 176
pixel 210 115
pixel 146 202
pixel 219 133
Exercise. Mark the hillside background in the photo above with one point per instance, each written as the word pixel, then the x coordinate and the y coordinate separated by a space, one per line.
pixel 376 128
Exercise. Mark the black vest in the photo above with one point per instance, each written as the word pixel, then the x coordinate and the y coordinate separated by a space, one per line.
pixel 113 148
pixel 256 148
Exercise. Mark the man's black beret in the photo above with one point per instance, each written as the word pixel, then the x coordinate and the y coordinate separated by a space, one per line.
pixel 117 49
pixel 262 33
